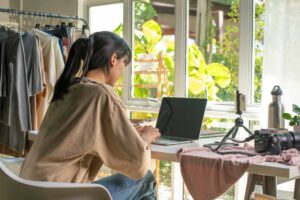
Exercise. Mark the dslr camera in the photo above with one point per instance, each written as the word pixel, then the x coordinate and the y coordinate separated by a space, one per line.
pixel 273 141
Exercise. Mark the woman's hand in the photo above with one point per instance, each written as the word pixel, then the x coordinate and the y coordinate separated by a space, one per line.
pixel 149 134
pixel 139 129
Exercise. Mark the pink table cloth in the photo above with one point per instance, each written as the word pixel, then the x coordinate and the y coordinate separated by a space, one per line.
pixel 207 175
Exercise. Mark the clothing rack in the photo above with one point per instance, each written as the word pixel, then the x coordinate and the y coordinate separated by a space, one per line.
pixel 42 14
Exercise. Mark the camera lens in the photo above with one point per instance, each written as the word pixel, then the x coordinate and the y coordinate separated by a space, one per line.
pixel 296 136
pixel 288 140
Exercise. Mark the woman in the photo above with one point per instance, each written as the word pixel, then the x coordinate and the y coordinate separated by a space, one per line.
pixel 86 125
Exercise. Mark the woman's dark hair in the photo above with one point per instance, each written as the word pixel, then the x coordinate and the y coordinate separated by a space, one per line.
pixel 96 52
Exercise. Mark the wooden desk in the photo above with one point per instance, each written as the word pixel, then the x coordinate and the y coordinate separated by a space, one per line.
pixel 268 171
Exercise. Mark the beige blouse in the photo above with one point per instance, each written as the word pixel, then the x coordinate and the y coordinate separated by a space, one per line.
pixel 86 129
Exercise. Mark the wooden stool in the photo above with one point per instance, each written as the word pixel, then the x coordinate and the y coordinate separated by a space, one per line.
pixel 263 197
pixel 268 184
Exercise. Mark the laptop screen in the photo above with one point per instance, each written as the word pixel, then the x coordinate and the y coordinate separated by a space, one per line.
pixel 181 117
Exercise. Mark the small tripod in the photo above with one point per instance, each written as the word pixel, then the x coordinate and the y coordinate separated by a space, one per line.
pixel 239 122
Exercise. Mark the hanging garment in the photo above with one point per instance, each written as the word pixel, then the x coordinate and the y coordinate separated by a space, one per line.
pixel 53 32
pixel 15 107
pixel 37 99
pixel 33 64
pixel 73 35
pixel 2 71
pixel 34 69
pixel 53 67
pixel 24 82
pixel 40 96
pixel 62 32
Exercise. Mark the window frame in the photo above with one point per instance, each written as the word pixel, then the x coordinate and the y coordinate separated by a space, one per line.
pixel 246 58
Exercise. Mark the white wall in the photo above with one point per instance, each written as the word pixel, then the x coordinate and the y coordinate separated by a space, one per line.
pixel 4 17
pixel 65 7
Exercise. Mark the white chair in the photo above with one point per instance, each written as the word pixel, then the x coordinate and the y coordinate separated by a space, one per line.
pixel 13 187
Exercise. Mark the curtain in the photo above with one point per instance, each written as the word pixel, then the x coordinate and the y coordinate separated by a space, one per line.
pixel 281 64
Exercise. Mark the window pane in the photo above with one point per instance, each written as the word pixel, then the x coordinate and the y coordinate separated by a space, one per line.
pixel 144 116
pixel 213 49
pixel 217 124
pixel 153 65
pixel 98 16
pixel 98 22
pixel 258 48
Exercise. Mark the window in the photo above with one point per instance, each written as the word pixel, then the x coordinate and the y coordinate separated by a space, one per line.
pixel 213 49
pixel 212 35
pixel 153 44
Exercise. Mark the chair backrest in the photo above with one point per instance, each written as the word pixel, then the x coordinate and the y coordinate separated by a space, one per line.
pixel 13 164
pixel 14 187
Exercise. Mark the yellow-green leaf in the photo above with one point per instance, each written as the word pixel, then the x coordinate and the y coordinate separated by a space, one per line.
pixel 196 86
pixel 152 33
pixel 217 69
pixel 223 82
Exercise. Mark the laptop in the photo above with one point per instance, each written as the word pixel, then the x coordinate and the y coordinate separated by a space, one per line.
pixel 179 120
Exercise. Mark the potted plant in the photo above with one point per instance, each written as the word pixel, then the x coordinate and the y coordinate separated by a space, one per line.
pixel 294 120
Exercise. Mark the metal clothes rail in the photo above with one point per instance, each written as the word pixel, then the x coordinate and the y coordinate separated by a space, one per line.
pixel 42 14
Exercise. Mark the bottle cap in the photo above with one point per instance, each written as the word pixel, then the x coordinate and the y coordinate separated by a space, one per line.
pixel 276 90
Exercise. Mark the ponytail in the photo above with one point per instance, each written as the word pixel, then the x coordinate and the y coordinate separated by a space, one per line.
pixel 90 51
pixel 78 52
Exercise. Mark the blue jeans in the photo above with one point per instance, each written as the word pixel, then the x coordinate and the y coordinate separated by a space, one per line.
pixel 124 188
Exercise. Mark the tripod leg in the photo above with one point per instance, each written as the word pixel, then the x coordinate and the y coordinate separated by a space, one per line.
pixel 246 129
pixel 235 132
pixel 233 129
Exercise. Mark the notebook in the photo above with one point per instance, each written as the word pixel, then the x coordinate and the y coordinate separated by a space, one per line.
pixel 179 120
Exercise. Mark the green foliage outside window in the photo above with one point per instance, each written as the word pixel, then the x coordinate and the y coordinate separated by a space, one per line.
pixel 216 74
pixel 258 62
pixel 143 11
pixel 147 39
pixel 203 77
pixel 228 53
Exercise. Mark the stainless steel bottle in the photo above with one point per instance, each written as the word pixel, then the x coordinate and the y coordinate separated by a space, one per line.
pixel 276 109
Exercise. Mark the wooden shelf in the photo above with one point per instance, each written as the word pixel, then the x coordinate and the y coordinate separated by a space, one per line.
pixel 160 72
